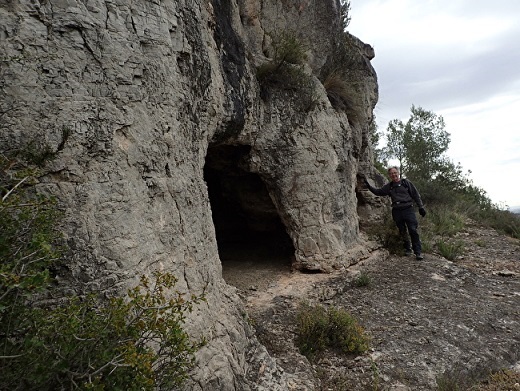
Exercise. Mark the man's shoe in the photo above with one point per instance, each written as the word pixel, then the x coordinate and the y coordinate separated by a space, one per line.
pixel 419 257
pixel 408 252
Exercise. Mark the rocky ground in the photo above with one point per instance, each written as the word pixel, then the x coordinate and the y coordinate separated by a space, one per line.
pixel 430 322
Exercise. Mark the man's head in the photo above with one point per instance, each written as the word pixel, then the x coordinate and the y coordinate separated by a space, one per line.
pixel 393 173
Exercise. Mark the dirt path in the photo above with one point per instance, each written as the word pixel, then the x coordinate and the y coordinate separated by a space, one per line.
pixel 427 319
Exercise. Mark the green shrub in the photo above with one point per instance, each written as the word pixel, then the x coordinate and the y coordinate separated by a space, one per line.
pixel 285 72
pixel 342 77
pixel 427 241
pixel 480 243
pixel 320 328
pixel 502 220
pixel 288 49
pixel 483 381
pixel 450 249
pixel 362 279
pixel 446 221
pixel 29 241
pixel 133 343
pixel 501 380
pixel 285 66
pixel 450 206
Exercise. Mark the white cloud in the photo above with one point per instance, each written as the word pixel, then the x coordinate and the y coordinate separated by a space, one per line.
pixel 485 139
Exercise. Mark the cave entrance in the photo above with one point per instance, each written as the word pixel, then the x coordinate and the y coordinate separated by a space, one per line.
pixel 252 240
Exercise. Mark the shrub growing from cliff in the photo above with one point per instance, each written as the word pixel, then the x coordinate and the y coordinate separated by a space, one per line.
pixel 342 96
pixel 285 70
pixel 341 76
pixel 132 343
pixel 338 90
pixel 287 58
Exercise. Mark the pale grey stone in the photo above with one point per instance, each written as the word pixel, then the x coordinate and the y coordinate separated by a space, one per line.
pixel 130 95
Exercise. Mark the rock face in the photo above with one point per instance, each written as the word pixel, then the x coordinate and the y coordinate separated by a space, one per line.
pixel 165 146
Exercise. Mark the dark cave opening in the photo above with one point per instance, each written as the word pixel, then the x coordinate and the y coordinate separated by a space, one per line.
pixel 249 231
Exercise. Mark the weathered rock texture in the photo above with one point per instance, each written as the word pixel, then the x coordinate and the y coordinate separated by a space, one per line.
pixel 144 104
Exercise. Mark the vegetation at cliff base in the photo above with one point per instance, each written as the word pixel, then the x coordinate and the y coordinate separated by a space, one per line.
pixel 49 341
pixel 419 145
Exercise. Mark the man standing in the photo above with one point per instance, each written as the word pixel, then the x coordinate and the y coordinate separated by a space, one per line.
pixel 403 193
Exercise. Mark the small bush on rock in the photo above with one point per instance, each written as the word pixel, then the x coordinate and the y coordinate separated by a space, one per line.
pixel 285 71
pixel 321 328
pixel 362 279
pixel 285 67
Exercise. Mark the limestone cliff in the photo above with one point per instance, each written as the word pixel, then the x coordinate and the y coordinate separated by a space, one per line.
pixel 161 135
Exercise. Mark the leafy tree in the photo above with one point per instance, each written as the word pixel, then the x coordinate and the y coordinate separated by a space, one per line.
pixel 395 148
pixel 419 145
pixel 426 141
pixel 344 12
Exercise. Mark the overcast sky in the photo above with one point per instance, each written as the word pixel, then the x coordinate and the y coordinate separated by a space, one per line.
pixel 459 59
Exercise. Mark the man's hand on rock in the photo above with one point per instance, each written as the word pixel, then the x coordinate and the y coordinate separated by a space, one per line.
pixel 422 212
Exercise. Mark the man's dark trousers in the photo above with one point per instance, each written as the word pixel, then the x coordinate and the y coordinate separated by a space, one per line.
pixel 405 219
